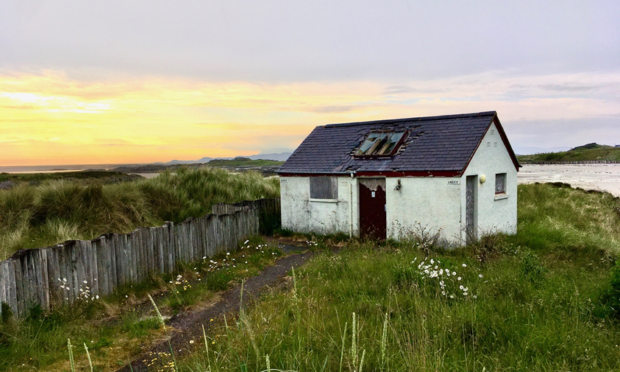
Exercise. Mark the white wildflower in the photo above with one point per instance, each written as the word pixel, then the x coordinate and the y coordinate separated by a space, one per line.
pixel 459 278
pixel 464 265
pixel 480 275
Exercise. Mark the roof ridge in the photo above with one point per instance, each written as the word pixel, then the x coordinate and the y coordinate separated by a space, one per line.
pixel 420 118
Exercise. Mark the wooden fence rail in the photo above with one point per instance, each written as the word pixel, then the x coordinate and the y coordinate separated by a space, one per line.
pixel 76 269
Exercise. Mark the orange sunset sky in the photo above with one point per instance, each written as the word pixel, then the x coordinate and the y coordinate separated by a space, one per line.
pixel 140 82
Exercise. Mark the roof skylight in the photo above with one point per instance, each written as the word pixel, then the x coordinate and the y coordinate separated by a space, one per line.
pixel 384 143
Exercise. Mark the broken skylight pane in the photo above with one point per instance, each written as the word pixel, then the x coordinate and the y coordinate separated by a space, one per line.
pixel 380 143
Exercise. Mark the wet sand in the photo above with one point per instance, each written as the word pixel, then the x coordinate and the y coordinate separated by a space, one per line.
pixel 601 177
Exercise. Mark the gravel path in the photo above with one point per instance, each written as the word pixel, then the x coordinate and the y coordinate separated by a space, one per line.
pixel 189 326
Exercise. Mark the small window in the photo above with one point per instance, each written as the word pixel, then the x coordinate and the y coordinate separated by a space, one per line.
pixel 323 188
pixel 500 183
pixel 381 144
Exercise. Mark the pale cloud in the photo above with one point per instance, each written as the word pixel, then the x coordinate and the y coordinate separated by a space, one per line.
pixel 147 120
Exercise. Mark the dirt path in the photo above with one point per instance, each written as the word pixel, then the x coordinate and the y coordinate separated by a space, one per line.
pixel 188 326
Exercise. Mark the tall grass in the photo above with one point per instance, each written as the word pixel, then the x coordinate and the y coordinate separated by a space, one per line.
pixel 556 216
pixel 356 309
pixel 537 302
pixel 35 216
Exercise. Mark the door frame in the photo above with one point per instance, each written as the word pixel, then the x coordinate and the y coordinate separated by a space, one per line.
pixel 360 183
pixel 471 181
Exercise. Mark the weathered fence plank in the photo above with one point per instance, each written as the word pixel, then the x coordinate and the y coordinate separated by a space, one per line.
pixel 57 275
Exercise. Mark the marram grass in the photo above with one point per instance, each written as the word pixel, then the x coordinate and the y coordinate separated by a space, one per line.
pixel 55 211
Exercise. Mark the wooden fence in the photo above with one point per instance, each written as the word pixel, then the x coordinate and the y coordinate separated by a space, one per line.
pixel 75 270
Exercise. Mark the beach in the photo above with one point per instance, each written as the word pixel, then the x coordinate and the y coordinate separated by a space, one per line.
pixel 600 177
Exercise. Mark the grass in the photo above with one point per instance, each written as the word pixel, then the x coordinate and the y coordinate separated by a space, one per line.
pixel 84 176
pixel 119 327
pixel 545 299
pixel 554 218
pixel 534 301
pixel 33 216
pixel 583 153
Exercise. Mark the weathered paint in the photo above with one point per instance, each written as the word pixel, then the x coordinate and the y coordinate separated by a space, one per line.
pixel 493 214
pixel 433 205
pixel 301 213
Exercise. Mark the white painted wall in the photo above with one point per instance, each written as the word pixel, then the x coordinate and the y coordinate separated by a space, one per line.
pixel 300 213
pixel 435 203
pixel 431 203
pixel 493 214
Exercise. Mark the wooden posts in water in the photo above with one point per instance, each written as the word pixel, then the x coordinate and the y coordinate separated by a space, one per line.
pixel 85 269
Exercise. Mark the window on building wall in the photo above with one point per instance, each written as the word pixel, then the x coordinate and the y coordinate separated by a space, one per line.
pixel 500 183
pixel 381 143
pixel 323 188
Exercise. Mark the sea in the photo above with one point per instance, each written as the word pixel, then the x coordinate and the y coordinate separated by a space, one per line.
pixel 59 168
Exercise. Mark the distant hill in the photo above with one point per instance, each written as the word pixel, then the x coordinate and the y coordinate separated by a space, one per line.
pixel 237 164
pixel 588 152
pixel 283 156
pixel 244 162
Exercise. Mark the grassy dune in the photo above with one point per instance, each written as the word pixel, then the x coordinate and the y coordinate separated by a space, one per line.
pixel 557 217
pixel 58 210
pixel 583 153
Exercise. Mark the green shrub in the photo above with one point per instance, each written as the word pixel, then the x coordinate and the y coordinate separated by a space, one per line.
pixel 531 268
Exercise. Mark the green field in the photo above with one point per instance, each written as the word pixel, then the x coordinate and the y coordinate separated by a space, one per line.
pixel 48 211
pixel 583 153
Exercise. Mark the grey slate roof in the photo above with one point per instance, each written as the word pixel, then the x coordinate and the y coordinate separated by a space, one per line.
pixel 438 143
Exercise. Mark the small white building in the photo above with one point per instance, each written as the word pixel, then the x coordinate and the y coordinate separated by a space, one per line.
pixel 455 176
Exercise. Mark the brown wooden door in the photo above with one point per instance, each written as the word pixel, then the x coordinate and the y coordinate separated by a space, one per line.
pixel 373 221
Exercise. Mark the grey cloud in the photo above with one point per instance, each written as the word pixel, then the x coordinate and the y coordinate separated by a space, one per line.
pixel 284 41
pixel 398 89
pixel 571 88
pixel 562 133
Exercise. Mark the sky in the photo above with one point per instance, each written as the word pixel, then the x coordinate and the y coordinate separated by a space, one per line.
pixel 139 81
